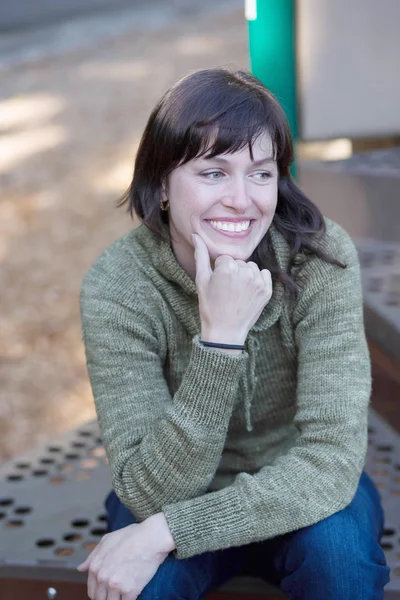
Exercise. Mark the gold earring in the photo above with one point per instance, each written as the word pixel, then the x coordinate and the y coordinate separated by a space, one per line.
pixel 164 205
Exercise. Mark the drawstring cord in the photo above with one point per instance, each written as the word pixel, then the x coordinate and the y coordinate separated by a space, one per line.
pixel 250 380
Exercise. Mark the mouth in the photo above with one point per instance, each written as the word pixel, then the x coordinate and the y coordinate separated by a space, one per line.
pixel 239 229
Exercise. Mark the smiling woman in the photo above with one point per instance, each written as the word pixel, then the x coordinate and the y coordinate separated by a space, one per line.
pixel 226 351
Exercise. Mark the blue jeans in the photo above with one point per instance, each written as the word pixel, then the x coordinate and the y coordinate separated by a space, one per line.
pixel 338 558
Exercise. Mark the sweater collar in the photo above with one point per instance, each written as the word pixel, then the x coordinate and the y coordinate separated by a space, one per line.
pixel 166 264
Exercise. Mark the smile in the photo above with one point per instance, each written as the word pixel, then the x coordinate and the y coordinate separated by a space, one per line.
pixel 241 226
pixel 239 229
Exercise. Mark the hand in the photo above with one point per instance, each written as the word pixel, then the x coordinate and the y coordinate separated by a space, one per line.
pixel 124 561
pixel 232 297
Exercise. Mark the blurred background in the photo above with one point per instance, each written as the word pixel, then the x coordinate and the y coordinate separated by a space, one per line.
pixel 78 81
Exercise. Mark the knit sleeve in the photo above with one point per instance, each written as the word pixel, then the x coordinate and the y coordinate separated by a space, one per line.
pixel 160 448
pixel 318 476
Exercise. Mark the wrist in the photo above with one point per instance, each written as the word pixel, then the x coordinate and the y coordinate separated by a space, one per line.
pixel 221 337
pixel 233 338
pixel 163 532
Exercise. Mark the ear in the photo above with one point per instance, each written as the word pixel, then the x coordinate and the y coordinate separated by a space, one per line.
pixel 164 190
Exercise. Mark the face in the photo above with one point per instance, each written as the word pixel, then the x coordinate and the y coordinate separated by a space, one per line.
pixel 228 200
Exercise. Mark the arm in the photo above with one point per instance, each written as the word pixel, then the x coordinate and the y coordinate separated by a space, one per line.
pixel 161 449
pixel 319 475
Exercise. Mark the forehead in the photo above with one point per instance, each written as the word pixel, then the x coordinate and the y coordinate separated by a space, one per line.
pixel 262 149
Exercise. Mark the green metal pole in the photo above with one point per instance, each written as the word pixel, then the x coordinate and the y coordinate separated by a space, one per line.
pixel 272 47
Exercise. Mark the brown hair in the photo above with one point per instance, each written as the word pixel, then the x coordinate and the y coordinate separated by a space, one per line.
pixel 217 111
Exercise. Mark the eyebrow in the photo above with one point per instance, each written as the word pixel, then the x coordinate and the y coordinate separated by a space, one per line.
pixel 256 163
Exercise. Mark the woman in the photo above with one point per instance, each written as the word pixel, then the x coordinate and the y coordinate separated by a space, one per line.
pixel 226 351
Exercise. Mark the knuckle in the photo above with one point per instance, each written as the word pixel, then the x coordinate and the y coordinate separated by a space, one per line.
pixel 114 584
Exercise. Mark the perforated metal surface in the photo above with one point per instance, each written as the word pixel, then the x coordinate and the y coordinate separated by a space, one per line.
pixel 51 506
pixel 380 271
pixel 52 513
pixel 383 465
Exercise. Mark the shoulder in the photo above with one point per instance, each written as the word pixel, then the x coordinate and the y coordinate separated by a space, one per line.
pixel 335 243
pixel 121 270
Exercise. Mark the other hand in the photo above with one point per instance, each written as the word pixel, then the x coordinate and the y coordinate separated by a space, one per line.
pixel 124 562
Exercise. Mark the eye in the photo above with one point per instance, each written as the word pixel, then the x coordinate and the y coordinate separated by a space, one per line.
pixel 262 175
pixel 213 175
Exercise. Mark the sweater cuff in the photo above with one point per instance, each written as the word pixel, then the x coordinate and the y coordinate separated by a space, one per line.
pixel 203 524
pixel 209 387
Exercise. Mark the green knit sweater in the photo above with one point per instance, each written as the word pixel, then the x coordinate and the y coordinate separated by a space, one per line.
pixel 233 449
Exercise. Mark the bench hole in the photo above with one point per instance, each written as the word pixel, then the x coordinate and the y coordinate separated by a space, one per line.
pixel 45 543
pixel 386 546
pixel 54 449
pixel 14 524
pixel 15 477
pixel 22 510
pixel 80 523
pixel 102 518
pixel 72 456
pixel 99 452
pixel 57 479
pixel 72 537
pixel 89 546
pixel 89 463
pixel 6 501
pixel 98 531
pixel 46 461
pixel 371 430
pixel 78 445
pixel 2 515
pixel 39 472
pixel 380 472
pixel 85 433
pixel 384 448
pixel 389 531
pixel 64 551
pixel 22 466
pixel 383 460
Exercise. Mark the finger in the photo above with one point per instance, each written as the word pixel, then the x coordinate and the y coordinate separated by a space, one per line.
pixel 115 594
pixel 241 264
pixel 266 275
pixel 86 563
pixel 91 585
pixel 101 591
pixel 83 566
pixel 226 262
pixel 202 258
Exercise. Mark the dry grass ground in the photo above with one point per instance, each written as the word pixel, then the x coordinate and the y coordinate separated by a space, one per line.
pixel 69 128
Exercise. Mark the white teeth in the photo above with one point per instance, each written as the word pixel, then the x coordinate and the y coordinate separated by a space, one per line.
pixel 231 226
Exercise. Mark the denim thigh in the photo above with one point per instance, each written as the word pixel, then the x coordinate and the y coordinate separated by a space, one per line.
pixel 337 558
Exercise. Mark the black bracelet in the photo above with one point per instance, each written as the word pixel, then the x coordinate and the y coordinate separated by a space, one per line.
pixel 225 346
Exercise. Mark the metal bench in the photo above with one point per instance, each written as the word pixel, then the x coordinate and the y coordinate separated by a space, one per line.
pixel 52 515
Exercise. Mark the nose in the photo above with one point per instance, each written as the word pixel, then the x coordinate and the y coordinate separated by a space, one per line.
pixel 236 196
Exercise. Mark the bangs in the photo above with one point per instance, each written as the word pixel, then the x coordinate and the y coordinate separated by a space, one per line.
pixel 232 128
